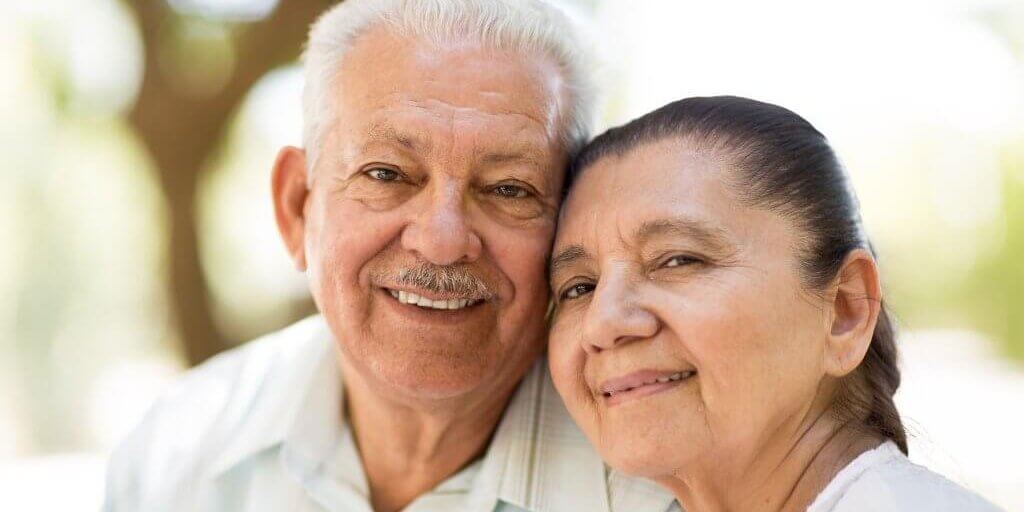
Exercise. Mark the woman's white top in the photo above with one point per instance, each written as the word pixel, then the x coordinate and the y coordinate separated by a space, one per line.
pixel 885 479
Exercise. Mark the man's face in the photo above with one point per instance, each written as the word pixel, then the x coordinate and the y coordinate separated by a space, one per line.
pixel 439 178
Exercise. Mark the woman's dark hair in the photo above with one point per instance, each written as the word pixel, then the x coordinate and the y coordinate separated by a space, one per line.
pixel 782 164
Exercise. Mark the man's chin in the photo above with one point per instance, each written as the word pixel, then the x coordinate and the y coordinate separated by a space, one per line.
pixel 434 365
pixel 445 383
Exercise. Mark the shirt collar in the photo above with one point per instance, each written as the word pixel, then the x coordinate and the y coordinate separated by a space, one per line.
pixel 538 460
pixel 548 464
pixel 315 430
pixel 273 386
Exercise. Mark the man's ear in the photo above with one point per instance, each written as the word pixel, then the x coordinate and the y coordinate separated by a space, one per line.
pixel 290 190
pixel 856 299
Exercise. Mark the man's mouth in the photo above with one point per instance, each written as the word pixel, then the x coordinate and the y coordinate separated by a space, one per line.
pixel 452 303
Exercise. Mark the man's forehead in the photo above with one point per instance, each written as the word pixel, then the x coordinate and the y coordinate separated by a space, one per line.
pixel 403 76
pixel 491 142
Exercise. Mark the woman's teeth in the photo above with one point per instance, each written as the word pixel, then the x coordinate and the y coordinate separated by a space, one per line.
pixel 423 302
pixel 674 376
pixel 660 380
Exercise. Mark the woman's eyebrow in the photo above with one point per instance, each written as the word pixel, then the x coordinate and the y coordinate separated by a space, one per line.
pixel 566 257
pixel 712 237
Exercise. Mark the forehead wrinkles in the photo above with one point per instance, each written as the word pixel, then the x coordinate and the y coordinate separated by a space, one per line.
pixel 394 113
pixel 611 212
pixel 623 215
pixel 452 80
pixel 584 239
pixel 535 99
pixel 454 134
pixel 519 123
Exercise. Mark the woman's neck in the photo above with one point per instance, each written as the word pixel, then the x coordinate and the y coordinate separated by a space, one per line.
pixel 787 474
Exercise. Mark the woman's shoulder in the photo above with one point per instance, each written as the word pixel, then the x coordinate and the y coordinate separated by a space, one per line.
pixel 885 479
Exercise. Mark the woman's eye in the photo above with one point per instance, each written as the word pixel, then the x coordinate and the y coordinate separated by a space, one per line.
pixel 383 174
pixel 511 191
pixel 679 261
pixel 576 291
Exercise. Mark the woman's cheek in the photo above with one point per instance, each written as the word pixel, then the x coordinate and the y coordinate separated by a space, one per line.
pixel 557 354
pixel 567 359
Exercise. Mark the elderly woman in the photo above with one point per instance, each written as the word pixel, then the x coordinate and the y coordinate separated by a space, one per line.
pixel 719 325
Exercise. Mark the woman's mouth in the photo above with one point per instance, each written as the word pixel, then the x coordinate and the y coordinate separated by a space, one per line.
pixel 642 383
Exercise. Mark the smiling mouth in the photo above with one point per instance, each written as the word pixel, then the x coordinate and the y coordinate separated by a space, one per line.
pixel 450 304
pixel 646 386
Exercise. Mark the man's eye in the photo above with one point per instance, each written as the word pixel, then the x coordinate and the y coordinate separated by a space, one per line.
pixel 679 261
pixel 511 191
pixel 383 174
pixel 576 291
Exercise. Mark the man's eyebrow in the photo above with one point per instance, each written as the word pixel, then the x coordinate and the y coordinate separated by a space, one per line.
pixel 525 157
pixel 384 132
pixel 712 237
pixel 527 154
pixel 566 257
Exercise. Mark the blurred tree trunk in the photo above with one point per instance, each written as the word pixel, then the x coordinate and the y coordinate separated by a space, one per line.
pixel 183 130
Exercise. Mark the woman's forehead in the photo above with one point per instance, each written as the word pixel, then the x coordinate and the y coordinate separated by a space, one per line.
pixel 647 184
pixel 671 194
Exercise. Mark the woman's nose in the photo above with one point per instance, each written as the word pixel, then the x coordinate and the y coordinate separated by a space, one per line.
pixel 440 231
pixel 616 315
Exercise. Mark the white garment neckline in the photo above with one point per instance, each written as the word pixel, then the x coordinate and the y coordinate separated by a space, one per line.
pixel 835 489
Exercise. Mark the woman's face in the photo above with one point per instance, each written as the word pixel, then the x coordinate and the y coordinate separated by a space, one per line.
pixel 682 333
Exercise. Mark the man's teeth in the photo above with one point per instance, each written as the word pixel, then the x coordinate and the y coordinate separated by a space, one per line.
pixel 411 298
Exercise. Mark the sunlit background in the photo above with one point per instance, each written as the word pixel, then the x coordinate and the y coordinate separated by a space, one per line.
pixel 136 234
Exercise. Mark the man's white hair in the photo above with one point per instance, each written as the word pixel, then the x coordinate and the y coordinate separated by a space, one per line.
pixel 528 26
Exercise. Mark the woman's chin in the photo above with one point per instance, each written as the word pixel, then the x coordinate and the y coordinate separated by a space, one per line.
pixel 650 445
pixel 643 460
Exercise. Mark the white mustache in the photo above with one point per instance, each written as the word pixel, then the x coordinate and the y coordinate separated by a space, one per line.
pixel 456 280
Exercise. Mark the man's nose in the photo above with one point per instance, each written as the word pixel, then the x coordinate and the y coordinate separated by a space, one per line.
pixel 440 231
pixel 616 315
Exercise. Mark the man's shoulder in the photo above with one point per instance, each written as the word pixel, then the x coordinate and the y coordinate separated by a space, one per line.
pixel 231 380
pixel 191 424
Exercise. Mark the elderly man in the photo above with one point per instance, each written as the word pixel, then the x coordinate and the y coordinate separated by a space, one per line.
pixel 422 210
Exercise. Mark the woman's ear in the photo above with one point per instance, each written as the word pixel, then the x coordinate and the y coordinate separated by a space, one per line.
pixel 290 189
pixel 856 301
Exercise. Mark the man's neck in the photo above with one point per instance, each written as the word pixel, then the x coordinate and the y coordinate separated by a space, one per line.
pixel 411 449
pixel 786 475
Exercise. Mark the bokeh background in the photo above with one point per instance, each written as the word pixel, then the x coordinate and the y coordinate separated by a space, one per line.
pixel 137 238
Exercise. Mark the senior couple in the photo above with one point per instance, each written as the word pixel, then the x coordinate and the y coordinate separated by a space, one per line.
pixel 682 313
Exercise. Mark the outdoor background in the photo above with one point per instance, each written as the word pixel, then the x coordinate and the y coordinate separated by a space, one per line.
pixel 136 234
